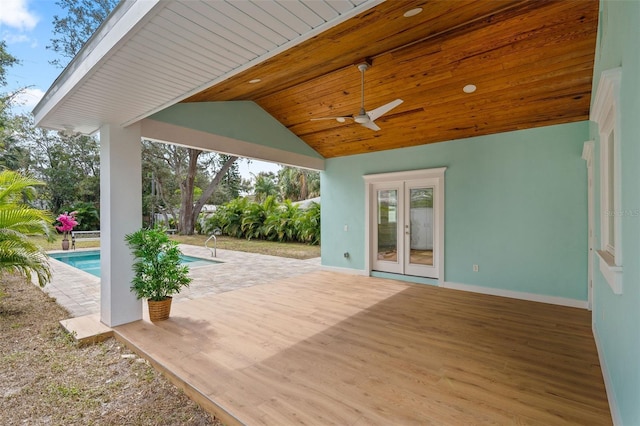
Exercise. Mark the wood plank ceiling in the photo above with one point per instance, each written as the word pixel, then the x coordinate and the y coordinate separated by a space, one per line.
pixel 531 60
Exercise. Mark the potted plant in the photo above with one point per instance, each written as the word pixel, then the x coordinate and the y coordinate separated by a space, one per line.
pixel 67 221
pixel 158 271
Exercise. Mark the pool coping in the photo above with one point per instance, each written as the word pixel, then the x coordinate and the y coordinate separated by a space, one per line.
pixel 87 249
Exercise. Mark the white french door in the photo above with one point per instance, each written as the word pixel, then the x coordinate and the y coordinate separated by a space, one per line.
pixel 405 224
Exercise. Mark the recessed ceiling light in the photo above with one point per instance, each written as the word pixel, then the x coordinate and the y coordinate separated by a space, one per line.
pixel 469 88
pixel 255 80
pixel 412 12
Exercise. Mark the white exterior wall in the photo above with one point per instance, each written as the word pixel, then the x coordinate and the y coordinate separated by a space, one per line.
pixel 120 214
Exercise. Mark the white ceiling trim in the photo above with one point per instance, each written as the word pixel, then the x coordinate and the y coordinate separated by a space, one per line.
pixel 314 32
pixel 110 35
pixel 151 54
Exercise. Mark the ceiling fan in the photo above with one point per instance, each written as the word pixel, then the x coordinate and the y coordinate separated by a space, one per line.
pixel 364 117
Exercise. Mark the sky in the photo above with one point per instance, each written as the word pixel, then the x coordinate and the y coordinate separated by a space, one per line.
pixel 26 26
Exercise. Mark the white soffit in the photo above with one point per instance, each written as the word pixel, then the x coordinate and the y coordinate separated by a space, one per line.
pixel 151 54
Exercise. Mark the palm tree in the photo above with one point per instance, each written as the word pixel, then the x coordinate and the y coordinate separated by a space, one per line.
pixel 298 184
pixel 18 221
pixel 265 186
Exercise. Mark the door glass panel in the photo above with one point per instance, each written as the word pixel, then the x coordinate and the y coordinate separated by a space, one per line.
pixel 421 226
pixel 388 225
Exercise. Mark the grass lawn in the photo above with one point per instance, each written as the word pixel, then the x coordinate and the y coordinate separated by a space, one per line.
pixel 46 379
pixel 57 243
pixel 290 250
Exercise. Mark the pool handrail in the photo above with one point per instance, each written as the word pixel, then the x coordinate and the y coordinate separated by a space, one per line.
pixel 216 231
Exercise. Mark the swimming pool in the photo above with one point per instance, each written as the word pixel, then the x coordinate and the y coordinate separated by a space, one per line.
pixel 89 261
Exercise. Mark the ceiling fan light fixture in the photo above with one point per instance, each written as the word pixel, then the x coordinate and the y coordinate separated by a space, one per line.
pixel 361 119
pixel 341 119
pixel 469 88
pixel 412 12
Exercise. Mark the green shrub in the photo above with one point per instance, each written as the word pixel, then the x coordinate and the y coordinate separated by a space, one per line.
pixel 308 225
pixel 229 217
pixel 87 216
pixel 254 216
pixel 269 220
pixel 280 224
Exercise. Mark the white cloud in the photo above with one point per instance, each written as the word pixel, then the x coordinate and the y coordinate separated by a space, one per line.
pixel 15 38
pixel 28 98
pixel 15 14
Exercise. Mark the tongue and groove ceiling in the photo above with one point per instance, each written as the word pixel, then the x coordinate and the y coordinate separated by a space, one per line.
pixel 531 60
pixel 532 63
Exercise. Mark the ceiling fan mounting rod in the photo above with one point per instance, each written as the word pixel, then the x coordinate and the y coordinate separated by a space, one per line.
pixel 362 67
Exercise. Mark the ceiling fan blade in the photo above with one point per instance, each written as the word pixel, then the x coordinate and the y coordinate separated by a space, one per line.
pixel 380 111
pixel 371 125
pixel 339 119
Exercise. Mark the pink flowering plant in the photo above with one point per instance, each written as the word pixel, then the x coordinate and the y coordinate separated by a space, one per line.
pixel 67 221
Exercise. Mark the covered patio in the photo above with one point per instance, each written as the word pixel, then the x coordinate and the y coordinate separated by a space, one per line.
pixel 333 349
pixel 500 95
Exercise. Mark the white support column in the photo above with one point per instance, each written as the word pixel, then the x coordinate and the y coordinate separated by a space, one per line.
pixel 120 214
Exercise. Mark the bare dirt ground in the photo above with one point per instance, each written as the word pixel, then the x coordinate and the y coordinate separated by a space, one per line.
pixel 45 379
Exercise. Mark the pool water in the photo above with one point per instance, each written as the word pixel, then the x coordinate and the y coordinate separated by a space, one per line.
pixel 89 261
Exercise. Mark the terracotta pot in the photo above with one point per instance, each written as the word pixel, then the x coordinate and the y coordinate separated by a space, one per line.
pixel 65 244
pixel 159 310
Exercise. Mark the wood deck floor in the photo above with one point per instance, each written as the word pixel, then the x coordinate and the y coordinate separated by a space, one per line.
pixel 328 348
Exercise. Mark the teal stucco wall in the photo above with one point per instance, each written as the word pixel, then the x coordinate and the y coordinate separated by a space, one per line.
pixel 242 120
pixel 515 204
pixel 617 317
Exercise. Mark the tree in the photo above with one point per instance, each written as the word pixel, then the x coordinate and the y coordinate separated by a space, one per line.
pixel 72 31
pixel 13 155
pixel 175 174
pixel 68 164
pixel 189 211
pixel 6 60
pixel 7 157
pixel 298 184
pixel 18 221
pixel 231 185
pixel 264 186
pixel 161 168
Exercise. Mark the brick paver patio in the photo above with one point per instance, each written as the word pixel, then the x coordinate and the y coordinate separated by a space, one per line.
pixel 79 291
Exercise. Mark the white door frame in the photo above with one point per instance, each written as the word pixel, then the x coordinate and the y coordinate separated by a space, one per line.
pixel 587 155
pixel 438 174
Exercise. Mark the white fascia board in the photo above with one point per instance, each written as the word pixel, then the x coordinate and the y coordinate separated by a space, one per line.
pixel 113 33
pixel 170 133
